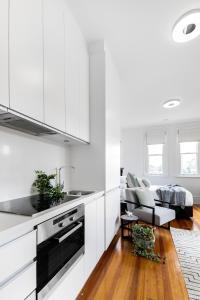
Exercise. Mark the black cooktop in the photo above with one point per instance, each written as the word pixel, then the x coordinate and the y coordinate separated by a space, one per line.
pixel 31 205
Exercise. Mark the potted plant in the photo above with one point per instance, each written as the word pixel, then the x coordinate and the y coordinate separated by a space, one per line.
pixel 45 188
pixel 144 242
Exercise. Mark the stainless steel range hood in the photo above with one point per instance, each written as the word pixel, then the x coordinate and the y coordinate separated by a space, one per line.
pixel 12 119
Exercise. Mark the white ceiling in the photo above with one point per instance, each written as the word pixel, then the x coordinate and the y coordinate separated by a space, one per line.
pixel 152 67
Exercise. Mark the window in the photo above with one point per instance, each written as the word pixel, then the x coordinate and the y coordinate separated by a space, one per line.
pixel 155 159
pixel 189 158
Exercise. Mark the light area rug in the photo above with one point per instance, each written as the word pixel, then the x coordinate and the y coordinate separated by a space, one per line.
pixel 187 245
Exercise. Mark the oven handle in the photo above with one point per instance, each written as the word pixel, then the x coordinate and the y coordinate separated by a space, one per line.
pixel 62 238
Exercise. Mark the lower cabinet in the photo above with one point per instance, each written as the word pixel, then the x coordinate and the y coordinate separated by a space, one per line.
pixel 90 237
pixel 13 256
pixel 94 234
pixel 112 214
pixel 100 220
pixel 32 296
pixel 71 283
pixel 21 285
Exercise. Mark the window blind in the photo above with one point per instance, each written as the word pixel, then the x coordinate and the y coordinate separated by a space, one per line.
pixel 189 135
pixel 156 136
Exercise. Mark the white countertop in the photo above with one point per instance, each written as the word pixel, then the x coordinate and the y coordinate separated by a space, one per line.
pixel 12 226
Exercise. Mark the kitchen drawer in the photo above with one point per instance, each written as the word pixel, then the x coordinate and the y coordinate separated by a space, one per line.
pixel 20 286
pixel 32 296
pixel 68 287
pixel 16 255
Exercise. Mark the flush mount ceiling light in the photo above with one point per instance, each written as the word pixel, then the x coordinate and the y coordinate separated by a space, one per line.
pixel 171 103
pixel 187 27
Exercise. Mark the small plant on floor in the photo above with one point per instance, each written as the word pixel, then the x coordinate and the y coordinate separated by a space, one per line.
pixel 144 242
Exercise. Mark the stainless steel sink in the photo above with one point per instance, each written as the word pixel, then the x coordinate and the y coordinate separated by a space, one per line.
pixel 68 197
pixel 79 193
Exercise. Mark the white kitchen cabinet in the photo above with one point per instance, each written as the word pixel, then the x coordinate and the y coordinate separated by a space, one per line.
pixel 84 91
pixel 54 64
pixel 20 286
pixel 76 80
pixel 100 221
pixel 90 237
pixel 70 284
pixel 112 214
pixel 17 254
pixel 26 57
pixel 72 75
pixel 32 296
pixel 94 234
pixel 4 90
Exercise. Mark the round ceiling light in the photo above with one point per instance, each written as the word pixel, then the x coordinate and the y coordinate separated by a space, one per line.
pixel 171 103
pixel 187 27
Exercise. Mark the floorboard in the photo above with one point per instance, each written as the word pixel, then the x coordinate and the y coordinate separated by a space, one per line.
pixel 122 276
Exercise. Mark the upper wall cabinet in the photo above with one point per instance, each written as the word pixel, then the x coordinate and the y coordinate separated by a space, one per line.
pixel 54 64
pixel 26 57
pixel 84 91
pixel 4 93
pixel 76 80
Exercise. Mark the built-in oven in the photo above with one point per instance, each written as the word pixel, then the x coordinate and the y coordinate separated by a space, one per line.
pixel 60 243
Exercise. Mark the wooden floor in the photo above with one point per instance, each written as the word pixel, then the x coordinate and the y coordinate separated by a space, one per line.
pixel 121 276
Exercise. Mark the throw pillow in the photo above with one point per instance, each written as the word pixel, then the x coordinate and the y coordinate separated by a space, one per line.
pixel 146 182
pixel 140 182
pixel 145 197
pixel 132 180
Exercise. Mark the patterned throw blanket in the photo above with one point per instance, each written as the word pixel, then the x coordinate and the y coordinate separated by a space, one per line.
pixel 174 194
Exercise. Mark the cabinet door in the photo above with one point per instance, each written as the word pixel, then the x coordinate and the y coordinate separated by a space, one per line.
pixel 72 75
pixel 21 285
pixel 100 220
pixel 84 91
pixel 69 286
pixel 32 296
pixel 18 258
pixel 26 57
pixel 112 208
pixel 4 94
pixel 90 238
pixel 54 64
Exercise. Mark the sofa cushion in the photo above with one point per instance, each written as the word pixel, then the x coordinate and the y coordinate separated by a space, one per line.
pixel 163 215
pixel 146 182
pixel 140 182
pixel 131 195
pixel 132 181
pixel 145 196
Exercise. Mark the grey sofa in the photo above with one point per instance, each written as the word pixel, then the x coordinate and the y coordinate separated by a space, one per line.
pixel 156 215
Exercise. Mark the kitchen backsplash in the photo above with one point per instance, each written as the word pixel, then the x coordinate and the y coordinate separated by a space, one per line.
pixel 21 155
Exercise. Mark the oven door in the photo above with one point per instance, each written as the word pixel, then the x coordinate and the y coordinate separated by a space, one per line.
pixel 57 254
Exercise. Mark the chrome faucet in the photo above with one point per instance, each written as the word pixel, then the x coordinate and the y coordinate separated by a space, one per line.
pixel 58 172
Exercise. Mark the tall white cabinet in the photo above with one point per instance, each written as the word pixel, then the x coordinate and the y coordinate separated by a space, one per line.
pixel 26 58
pixel 97 166
pixel 44 61
pixel 76 80
pixel 4 89
pixel 54 64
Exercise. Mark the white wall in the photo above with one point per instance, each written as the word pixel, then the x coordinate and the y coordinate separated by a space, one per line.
pixel 21 155
pixel 133 157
